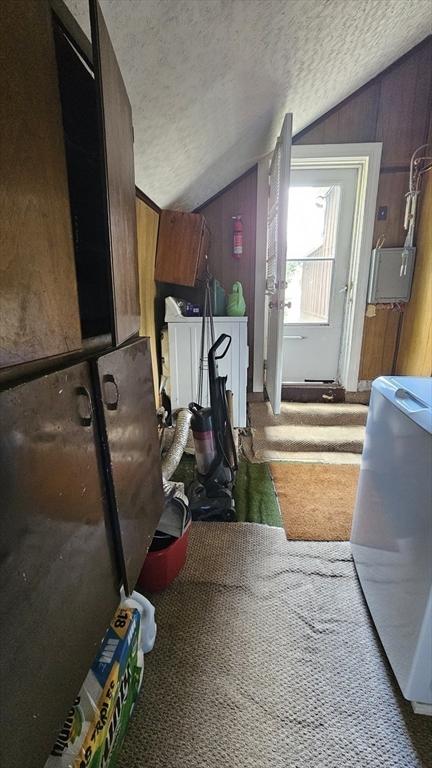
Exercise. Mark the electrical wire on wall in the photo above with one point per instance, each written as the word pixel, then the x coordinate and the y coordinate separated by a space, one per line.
pixel 421 162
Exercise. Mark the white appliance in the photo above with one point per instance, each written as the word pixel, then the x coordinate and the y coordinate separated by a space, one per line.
pixel 391 537
pixel 184 341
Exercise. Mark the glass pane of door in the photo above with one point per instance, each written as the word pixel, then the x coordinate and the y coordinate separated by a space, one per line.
pixel 307 296
pixel 313 215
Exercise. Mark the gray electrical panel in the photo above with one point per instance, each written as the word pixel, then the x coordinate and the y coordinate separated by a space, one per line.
pixel 390 276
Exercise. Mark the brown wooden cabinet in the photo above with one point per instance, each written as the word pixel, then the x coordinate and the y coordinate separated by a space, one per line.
pixel 80 471
pixel 116 132
pixel 68 253
pixel 39 314
pixel 182 247
pixel 131 450
pixel 60 579
pixel 147 232
pixel 81 490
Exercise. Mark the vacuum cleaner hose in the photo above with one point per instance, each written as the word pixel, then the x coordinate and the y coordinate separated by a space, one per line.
pixel 172 457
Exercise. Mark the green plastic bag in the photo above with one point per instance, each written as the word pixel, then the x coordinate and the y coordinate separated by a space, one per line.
pixel 236 305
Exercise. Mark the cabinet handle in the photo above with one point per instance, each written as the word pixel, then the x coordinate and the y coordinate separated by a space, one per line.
pixel 85 419
pixel 111 405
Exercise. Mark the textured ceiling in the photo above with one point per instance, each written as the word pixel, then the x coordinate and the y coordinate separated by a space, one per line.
pixel 210 80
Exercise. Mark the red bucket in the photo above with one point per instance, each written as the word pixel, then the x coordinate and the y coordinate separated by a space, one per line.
pixel 162 566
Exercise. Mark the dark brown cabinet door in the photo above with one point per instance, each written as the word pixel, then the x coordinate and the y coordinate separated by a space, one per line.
pixel 119 178
pixel 132 449
pixel 59 586
pixel 39 313
pixel 181 241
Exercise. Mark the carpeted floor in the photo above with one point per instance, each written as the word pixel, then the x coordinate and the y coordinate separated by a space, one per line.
pixel 316 500
pixel 265 658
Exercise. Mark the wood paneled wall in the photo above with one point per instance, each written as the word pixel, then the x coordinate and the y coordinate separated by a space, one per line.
pixel 394 108
pixel 147 229
pixel 239 199
pixel 415 348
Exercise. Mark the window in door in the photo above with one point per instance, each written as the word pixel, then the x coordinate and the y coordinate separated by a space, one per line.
pixel 313 214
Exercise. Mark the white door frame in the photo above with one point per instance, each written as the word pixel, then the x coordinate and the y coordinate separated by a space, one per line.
pixel 366 158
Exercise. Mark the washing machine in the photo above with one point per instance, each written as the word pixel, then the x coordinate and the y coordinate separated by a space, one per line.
pixel 391 536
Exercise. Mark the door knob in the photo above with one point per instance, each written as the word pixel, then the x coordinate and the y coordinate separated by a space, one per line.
pixel 344 289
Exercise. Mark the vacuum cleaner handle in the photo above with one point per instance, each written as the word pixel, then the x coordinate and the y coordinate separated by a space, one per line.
pixel 219 341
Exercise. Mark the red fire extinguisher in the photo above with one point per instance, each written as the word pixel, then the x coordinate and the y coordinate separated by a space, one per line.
pixel 237 237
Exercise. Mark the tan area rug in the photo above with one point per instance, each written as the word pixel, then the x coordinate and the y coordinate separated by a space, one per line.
pixel 316 500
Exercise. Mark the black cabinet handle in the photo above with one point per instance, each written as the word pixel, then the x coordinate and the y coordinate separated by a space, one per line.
pixel 110 403
pixel 85 419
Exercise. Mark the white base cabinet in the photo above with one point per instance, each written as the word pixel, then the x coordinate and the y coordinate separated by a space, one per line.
pixel 184 344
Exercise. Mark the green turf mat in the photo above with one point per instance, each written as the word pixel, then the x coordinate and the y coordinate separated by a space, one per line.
pixel 254 494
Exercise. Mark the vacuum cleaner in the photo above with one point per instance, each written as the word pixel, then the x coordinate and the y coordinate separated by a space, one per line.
pixel 211 492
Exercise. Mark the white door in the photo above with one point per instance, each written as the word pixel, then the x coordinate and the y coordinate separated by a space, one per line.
pixel 276 260
pixel 320 224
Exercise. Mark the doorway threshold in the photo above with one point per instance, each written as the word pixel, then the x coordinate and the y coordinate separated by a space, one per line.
pixel 313 392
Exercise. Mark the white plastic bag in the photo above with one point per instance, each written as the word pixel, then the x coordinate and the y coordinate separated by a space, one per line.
pixel 148 624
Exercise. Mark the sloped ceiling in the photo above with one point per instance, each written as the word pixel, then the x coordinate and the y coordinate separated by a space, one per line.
pixel 210 80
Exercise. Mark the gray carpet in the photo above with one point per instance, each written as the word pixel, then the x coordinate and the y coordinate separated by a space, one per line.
pixel 266 658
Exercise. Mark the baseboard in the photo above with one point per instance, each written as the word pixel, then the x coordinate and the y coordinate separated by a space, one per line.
pixel 362 398
pixel 422 709
pixel 364 385
pixel 313 393
pixel 255 397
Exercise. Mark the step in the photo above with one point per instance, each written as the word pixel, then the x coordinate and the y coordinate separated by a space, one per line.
pixel 317 457
pixel 317 414
pixel 346 439
pixel 257 456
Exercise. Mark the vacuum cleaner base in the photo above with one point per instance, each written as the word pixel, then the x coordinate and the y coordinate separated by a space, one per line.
pixel 210 508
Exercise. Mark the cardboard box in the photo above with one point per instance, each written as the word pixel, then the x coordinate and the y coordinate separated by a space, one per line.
pixel 97 721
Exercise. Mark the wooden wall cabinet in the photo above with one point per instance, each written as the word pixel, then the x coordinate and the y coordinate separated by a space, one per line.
pixel 80 475
pixel 123 379
pixel 116 146
pixel 39 313
pixel 81 489
pixel 68 253
pixel 60 580
pixel 147 231
pixel 182 247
